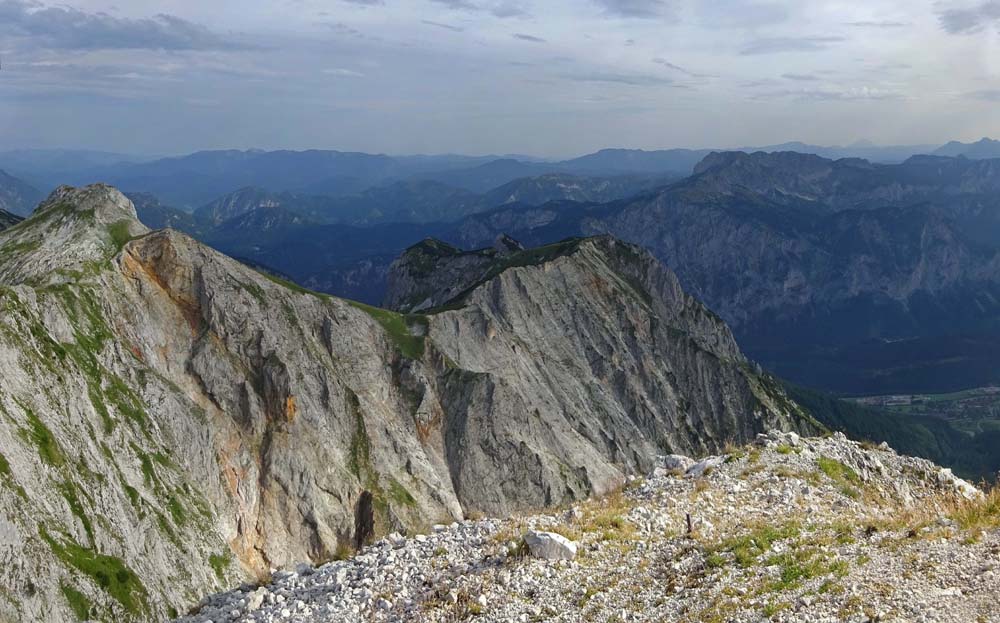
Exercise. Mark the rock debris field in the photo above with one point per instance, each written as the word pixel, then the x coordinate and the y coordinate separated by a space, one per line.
pixel 789 529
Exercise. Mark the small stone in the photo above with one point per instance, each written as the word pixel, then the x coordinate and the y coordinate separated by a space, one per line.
pixel 256 599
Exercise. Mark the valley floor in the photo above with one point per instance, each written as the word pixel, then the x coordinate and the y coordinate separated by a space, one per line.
pixel 791 529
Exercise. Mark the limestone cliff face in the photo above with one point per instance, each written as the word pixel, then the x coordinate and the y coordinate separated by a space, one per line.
pixel 172 422
pixel 588 356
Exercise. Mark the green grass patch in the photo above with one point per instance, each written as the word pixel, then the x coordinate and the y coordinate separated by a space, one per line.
pixel 77 601
pixel 715 560
pixel 219 564
pixel 133 496
pixel 772 608
pixel 126 402
pixel 837 470
pixel 800 565
pixel 360 451
pixel 395 325
pixel 120 234
pixel 177 512
pixel 108 572
pixel 399 494
pixel 254 290
pixel 68 491
pixel 294 287
pixel 44 440
pixel 746 549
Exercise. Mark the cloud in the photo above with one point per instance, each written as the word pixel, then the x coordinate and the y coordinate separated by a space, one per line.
pixel 740 13
pixel 679 69
pixel 343 73
pixel 365 2
pixel 67 28
pixel 503 9
pixel 343 29
pixel 440 25
pixel 645 9
pixel 874 24
pixel 530 38
pixel 829 95
pixel 970 19
pixel 789 44
pixel 800 77
pixel 457 5
pixel 617 78
pixel 508 9
pixel 992 95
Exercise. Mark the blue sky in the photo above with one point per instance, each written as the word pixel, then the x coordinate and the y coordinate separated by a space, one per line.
pixel 552 78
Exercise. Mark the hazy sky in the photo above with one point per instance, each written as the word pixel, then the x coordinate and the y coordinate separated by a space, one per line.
pixel 546 77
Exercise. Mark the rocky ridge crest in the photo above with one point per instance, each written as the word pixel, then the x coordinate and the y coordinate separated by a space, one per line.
pixel 787 529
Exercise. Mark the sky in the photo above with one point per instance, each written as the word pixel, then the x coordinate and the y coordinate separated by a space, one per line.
pixel 551 78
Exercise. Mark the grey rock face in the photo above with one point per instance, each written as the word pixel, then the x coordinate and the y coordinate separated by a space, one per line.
pixel 172 422
pixel 589 346
pixel 237 203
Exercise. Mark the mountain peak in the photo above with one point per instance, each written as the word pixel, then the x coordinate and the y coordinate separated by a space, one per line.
pixel 505 245
pixel 107 203
pixel 68 232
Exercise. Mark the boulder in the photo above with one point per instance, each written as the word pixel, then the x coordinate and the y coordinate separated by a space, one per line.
pixel 698 469
pixel 676 461
pixel 550 546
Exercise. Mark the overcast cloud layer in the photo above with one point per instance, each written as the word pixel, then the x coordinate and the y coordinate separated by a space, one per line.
pixel 546 77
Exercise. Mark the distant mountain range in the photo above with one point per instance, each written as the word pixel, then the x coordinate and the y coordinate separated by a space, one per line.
pixel 984 148
pixel 838 274
pixel 346 244
pixel 426 201
pixel 190 181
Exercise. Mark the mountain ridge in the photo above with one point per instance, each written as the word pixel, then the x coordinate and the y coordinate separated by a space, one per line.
pixel 786 529
pixel 166 408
